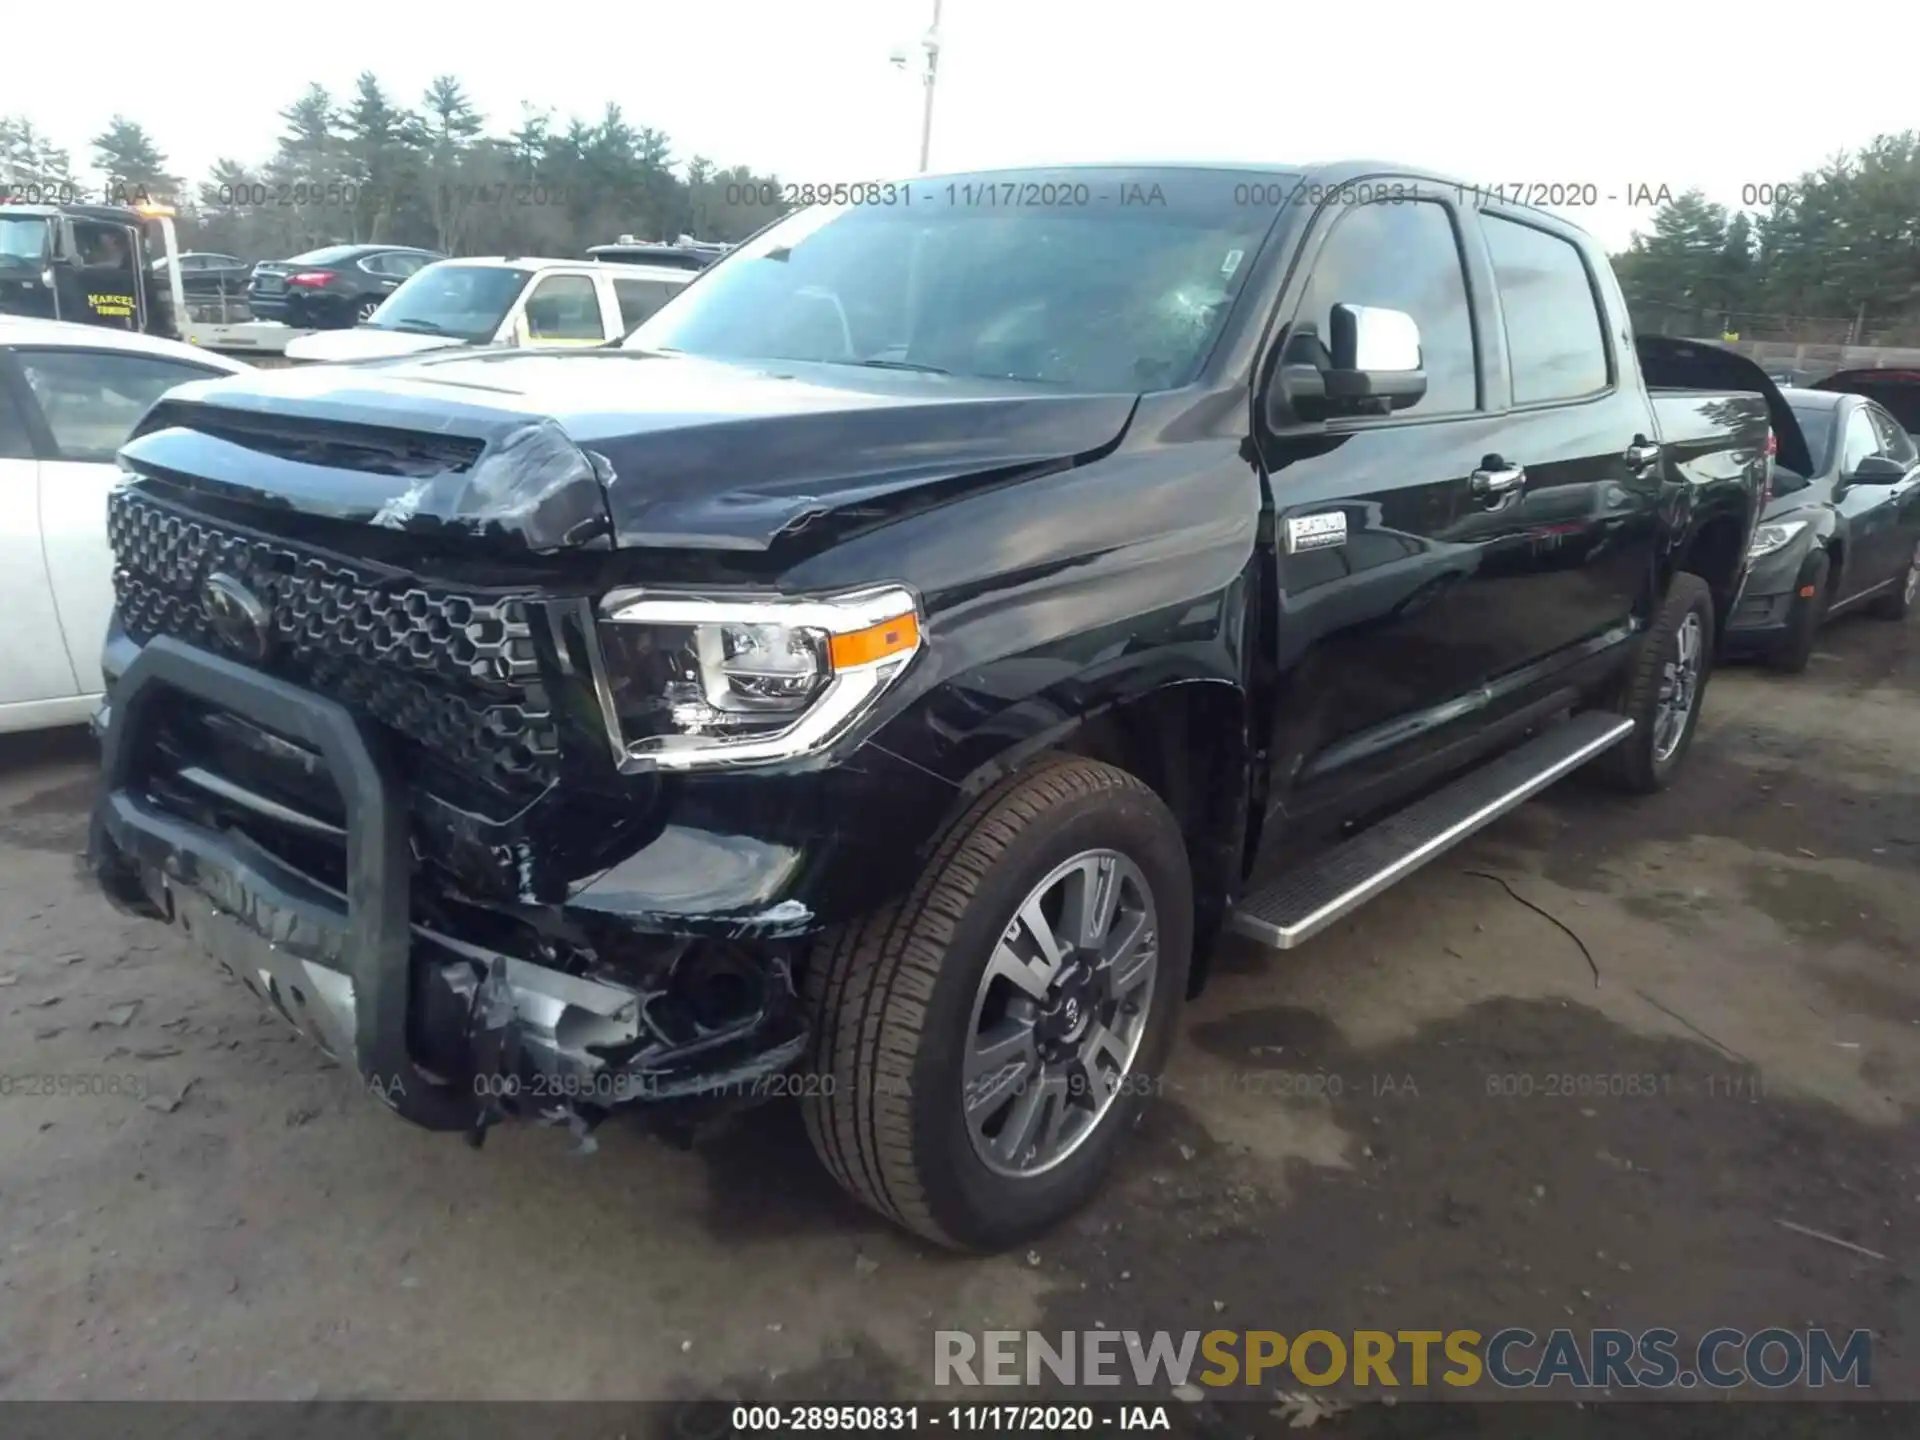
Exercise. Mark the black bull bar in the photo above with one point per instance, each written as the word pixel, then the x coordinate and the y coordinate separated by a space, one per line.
pixel 260 906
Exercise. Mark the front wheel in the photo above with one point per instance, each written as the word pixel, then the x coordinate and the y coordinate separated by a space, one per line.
pixel 1906 590
pixel 985 1045
pixel 1809 609
pixel 1662 691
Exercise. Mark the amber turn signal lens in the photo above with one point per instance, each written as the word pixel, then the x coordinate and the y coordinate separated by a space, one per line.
pixel 876 642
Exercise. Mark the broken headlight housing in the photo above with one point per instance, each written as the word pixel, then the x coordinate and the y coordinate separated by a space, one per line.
pixel 696 682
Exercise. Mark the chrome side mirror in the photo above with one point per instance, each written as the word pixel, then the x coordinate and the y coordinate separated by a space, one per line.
pixel 1372 339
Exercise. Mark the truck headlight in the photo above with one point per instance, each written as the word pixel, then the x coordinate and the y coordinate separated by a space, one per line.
pixel 1775 535
pixel 693 682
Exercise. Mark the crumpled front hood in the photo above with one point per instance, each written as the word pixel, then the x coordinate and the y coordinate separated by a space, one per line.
pixel 606 447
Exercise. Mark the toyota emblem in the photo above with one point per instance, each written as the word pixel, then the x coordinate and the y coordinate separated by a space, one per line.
pixel 237 616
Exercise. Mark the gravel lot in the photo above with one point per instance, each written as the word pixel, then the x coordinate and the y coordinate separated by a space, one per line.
pixel 255 1227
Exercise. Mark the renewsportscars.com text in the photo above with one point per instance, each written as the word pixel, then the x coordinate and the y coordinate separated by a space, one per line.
pixel 1510 1359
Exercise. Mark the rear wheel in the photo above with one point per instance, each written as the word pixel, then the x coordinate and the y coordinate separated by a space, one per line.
pixel 1906 590
pixel 1803 621
pixel 363 312
pixel 1663 690
pixel 984 1046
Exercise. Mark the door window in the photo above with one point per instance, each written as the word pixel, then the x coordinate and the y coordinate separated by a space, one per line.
pixel 1858 441
pixel 1894 442
pixel 639 299
pixel 14 442
pixel 1556 340
pixel 564 307
pixel 91 400
pixel 1405 256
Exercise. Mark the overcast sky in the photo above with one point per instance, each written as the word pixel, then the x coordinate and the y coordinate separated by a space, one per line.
pixel 1620 95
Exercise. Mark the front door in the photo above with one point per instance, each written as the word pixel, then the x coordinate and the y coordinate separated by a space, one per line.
pixel 1385 629
pixel 102 284
pixel 33 654
pixel 83 405
pixel 565 310
pixel 1880 518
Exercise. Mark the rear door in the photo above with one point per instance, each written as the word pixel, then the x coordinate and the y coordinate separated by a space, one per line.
pixel 1877 545
pixel 1383 616
pixel 1903 499
pixel 1568 553
pixel 638 298
pixel 81 405
pixel 33 653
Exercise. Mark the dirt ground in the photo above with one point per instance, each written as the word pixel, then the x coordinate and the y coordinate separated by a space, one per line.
pixel 250 1224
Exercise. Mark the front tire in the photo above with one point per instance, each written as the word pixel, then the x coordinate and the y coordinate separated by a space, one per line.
pixel 1663 691
pixel 1795 649
pixel 1896 604
pixel 985 1045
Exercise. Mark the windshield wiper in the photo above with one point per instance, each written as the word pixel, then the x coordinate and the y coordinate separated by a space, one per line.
pixel 419 324
pixel 898 365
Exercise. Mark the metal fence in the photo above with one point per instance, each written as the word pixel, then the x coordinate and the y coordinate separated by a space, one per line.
pixel 1655 318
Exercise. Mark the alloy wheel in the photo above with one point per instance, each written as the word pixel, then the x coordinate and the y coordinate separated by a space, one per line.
pixel 1679 688
pixel 1060 1013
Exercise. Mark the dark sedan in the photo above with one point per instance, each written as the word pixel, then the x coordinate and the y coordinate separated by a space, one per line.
pixel 1846 536
pixel 204 273
pixel 333 287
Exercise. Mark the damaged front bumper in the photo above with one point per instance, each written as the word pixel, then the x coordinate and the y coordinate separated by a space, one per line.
pixel 450 1034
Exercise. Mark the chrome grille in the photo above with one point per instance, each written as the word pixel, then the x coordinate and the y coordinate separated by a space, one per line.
pixel 456 673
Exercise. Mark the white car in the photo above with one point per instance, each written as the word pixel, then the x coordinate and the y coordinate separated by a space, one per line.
pixel 503 300
pixel 69 395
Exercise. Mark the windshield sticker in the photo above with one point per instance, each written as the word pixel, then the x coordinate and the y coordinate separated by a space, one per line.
pixel 1232 262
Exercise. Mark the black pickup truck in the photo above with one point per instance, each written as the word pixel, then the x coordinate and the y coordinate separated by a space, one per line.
pixel 877 680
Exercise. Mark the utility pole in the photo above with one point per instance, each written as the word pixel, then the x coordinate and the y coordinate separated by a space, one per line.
pixel 931 44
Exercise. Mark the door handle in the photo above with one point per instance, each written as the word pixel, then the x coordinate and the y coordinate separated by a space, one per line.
pixel 1641 455
pixel 1499 481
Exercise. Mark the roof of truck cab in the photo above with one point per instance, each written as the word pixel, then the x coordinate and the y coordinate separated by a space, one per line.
pixel 70 335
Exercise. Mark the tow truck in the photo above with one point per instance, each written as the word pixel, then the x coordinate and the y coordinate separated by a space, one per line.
pixel 96 264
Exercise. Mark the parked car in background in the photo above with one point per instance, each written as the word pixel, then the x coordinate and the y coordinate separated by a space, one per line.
pixel 203 272
pixel 1844 534
pixel 506 300
pixel 1895 391
pixel 69 395
pixel 333 287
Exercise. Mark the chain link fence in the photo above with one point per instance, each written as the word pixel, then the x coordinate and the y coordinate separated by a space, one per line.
pixel 1863 329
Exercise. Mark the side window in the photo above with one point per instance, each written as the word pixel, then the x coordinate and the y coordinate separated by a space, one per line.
pixel 564 307
pixel 404 265
pixel 1556 339
pixel 639 299
pixel 92 400
pixel 1858 440
pixel 1403 256
pixel 1894 441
